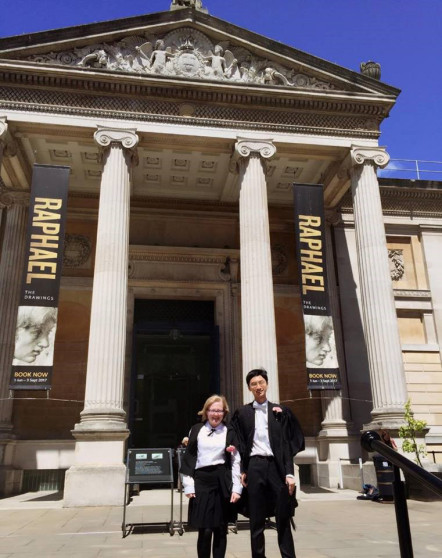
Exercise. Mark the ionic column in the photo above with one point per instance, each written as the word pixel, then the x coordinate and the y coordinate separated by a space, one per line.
pixel 381 332
pixel 11 271
pixel 335 404
pixel 336 441
pixel 3 133
pixel 102 429
pixel 257 305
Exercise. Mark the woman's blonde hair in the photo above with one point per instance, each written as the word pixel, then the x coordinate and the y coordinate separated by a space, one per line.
pixel 209 401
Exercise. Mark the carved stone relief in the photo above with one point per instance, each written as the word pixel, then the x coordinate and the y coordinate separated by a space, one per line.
pixel 183 52
pixel 397 266
pixel 77 250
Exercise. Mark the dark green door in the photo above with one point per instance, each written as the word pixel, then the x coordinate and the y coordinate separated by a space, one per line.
pixel 175 368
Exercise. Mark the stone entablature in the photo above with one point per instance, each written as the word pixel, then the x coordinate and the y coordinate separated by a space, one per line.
pixel 183 264
pixel 404 202
pixel 220 112
pixel 183 52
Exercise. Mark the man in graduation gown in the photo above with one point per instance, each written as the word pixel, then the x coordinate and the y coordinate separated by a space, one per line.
pixel 268 436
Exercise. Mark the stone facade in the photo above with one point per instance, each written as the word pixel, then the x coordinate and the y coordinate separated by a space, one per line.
pixel 185 194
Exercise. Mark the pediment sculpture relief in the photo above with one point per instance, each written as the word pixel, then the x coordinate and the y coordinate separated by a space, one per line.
pixel 184 52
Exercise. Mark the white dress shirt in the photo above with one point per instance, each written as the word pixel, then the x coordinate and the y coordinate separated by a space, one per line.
pixel 211 451
pixel 261 440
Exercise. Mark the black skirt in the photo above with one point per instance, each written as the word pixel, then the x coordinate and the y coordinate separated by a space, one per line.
pixel 211 507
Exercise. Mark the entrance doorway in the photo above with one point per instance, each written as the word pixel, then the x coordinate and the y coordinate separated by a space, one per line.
pixel 175 367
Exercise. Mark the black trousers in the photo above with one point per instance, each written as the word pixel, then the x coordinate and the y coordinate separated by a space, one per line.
pixel 264 488
pixel 215 538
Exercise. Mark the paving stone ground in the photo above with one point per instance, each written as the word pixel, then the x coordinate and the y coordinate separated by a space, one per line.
pixel 330 524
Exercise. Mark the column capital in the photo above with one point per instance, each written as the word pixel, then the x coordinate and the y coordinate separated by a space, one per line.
pixel 9 198
pixel 376 155
pixel 128 139
pixel 6 140
pixel 332 217
pixel 244 147
pixel 3 128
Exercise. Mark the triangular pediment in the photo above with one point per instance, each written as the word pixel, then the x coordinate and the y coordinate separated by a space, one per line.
pixel 190 45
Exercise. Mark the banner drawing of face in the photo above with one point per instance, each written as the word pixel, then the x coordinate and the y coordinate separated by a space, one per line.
pixel 320 349
pixel 34 336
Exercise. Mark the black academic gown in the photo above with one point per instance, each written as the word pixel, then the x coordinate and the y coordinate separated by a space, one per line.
pixel 285 436
pixel 189 463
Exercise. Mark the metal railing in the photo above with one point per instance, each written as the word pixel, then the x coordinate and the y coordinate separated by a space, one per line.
pixel 412 169
pixel 371 441
pixel 433 454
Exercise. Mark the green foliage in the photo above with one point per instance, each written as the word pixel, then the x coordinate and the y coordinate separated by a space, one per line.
pixel 408 433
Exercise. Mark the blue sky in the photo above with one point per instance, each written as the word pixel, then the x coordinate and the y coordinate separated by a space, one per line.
pixel 405 36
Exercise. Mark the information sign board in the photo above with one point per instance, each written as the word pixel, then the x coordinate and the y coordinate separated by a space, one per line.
pixel 149 466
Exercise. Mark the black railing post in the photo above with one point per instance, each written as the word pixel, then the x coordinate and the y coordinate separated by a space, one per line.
pixel 371 441
pixel 402 520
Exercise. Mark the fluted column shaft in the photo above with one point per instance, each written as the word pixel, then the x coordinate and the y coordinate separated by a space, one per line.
pixel 11 270
pixel 105 367
pixel 3 135
pixel 257 304
pixel 381 332
pixel 335 407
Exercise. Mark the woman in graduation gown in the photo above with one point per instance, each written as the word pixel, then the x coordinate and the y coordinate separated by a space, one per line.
pixel 211 477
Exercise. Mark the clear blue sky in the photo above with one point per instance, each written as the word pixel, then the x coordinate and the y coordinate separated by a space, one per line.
pixel 405 36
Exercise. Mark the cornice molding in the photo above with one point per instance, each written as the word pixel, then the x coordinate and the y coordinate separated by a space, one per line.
pixel 181 254
pixel 412 293
pixel 89 82
pixel 216 265
pixel 399 202
pixel 170 111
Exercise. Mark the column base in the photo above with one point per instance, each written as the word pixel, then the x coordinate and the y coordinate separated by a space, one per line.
pixel 10 477
pixel 391 422
pixel 98 476
pixel 94 486
pixel 10 481
pixel 336 449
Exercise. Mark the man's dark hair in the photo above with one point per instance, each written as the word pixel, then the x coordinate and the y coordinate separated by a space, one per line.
pixel 256 372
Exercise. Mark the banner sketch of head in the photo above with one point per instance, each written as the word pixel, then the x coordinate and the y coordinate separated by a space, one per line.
pixel 320 349
pixel 34 336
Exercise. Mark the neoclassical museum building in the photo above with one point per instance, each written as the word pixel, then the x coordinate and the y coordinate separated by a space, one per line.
pixel 184 135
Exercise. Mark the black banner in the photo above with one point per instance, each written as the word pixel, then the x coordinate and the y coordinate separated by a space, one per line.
pixel 38 306
pixel 320 346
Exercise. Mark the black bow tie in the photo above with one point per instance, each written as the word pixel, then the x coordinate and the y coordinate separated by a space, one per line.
pixel 212 430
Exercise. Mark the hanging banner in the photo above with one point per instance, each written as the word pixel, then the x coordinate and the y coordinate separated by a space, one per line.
pixel 38 306
pixel 320 346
